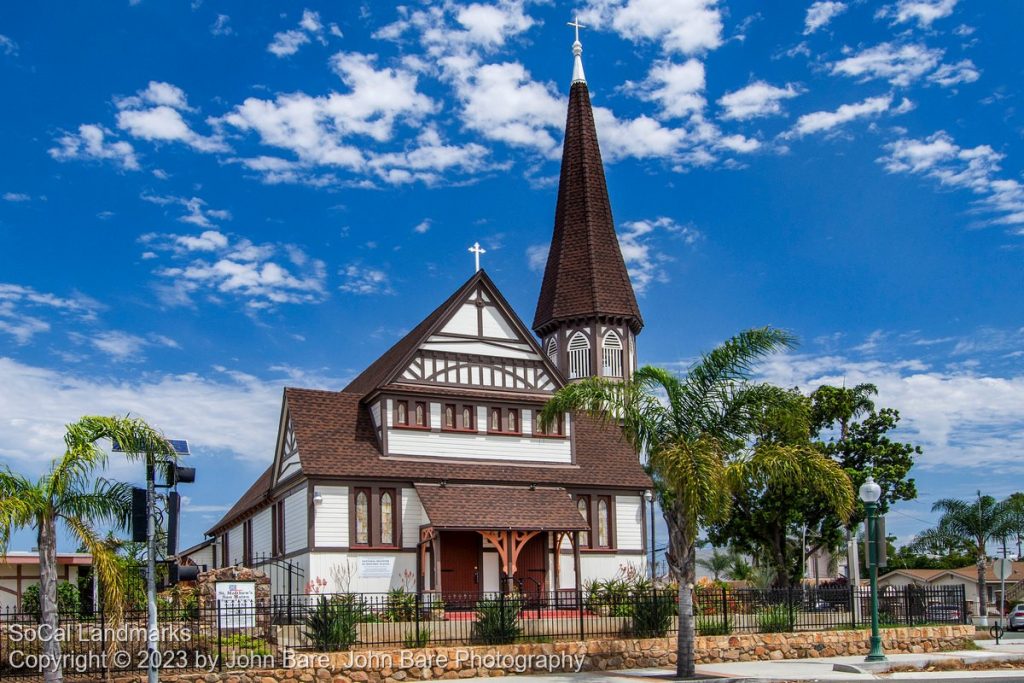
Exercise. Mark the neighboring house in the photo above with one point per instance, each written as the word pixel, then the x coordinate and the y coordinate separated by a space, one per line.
pixel 431 470
pixel 202 555
pixel 964 576
pixel 19 570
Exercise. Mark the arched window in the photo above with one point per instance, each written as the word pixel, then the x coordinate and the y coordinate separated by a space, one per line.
pixel 611 356
pixel 579 356
pixel 421 414
pixel 552 350
pixel 449 416
pixel 403 412
pixel 467 417
pixel 583 505
pixel 602 523
pixel 495 420
pixel 513 420
pixel 362 518
pixel 387 519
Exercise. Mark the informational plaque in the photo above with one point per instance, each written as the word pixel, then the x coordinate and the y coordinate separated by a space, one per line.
pixel 236 603
pixel 376 567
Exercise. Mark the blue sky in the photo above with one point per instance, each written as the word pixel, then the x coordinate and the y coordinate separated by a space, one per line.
pixel 202 203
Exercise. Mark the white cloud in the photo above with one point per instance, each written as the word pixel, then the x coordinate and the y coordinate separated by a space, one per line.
pixel 16 197
pixel 973 168
pixel 678 26
pixel 676 88
pixel 820 121
pixel 155 114
pixel 310 21
pixel 90 143
pixel 963 71
pixel 924 12
pixel 961 418
pixel 222 26
pixel 820 13
pixel 8 46
pixel 423 226
pixel 360 279
pixel 21 306
pixel 287 43
pixel 643 251
pixel 757 99
pixel 899 64
pixel 217 266
pixel 196 212
pixel 220 411
pixel 537 256
pixel 158 94
pixel 120 346
pixel 642 137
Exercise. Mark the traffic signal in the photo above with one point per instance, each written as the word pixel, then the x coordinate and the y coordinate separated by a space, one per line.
pixel 182 573
pixel 139 515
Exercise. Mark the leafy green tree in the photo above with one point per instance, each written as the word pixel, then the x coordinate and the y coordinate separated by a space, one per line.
pixel 776 479
pixel 70 494
pixel 687 426
pixel 1015 512
pixel 972 522
pixel 739 569
pixel 717 564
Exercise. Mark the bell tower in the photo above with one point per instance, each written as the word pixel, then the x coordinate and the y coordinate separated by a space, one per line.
pixel 587 316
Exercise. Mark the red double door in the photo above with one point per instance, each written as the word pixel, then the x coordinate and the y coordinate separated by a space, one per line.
pixel 462 570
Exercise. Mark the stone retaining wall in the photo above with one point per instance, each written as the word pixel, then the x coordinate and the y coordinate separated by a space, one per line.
pixel 392 666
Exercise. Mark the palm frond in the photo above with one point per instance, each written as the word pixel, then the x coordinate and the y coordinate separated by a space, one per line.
pixel 109 571
pixel 109 503
pixel 695 474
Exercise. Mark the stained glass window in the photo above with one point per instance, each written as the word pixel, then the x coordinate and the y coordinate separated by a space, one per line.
pixel 583 505
pixel 513 420
pixel 467 417
pixel 387 519
pixel 362 518
pixel 421 415
pixel 495 420
pixel 449 416
pixel 403 413
pixel 602 523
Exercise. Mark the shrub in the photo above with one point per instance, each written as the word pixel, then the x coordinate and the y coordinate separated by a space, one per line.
pixel 773 619
pixel 712 626
pixel 401 605
pixel 68 600
pixel 653 613
pixel 412 641
pixel 497 621
pixel 244 642
pixel 331 626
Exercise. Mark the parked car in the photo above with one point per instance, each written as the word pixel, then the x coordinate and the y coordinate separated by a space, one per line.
pixel 1015 618
pixel 945 613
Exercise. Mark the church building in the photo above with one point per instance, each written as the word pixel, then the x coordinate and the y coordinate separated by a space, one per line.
pixel 431 470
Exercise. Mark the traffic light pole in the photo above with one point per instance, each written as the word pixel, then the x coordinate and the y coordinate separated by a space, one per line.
pixel 151 623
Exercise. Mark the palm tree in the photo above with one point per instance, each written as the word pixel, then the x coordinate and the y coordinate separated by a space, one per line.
pixel 718 564
pixel 70 494
pixel 977 523
pixel 686 425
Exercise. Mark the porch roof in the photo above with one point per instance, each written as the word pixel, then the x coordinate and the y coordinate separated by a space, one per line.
pixel 475 507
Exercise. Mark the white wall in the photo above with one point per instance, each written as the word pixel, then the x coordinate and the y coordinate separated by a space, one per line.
pixel 491 573
pixel 261 538
pixel 203 556
pixel 597 566
pixel 29 577
pixel 235 546
pixel 629 522
pixel 476 446
pixel 412 517
pixel 332 566
pixel 331 522
pixel 295 523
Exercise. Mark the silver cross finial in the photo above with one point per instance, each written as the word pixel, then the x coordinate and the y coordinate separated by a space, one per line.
pixel 576 25
pixel 476 250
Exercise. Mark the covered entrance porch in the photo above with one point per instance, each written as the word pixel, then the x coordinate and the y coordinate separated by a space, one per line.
pixel 480 539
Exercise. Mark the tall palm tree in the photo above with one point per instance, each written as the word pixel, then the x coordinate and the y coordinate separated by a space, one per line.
pixel 717 564
pixel 977 522
pixel 70 494
pixel 686 425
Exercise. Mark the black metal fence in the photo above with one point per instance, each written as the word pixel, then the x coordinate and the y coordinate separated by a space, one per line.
pixel 233 636
pixel 720 611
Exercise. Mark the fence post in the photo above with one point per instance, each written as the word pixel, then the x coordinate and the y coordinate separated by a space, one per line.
pixel 789 599
pixel 220 641
pixel 853 609
pixel 907 605
pixel 725 609
pixel 103 631
pixel 419 606
pixel 579 601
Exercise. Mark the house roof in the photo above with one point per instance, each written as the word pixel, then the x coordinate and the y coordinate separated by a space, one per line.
pixel 969 573
pixel 30 557
pixel 586 275
pixel 499 507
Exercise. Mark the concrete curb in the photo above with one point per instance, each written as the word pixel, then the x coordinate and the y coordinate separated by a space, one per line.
pixel 923 662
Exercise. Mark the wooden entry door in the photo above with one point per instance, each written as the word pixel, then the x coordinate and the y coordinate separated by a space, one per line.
pixel 461 570
pixel 531 567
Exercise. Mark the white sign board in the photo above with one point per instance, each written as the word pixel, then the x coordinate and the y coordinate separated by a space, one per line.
pixel 236 602
pixel 1003 568
pixel 376 567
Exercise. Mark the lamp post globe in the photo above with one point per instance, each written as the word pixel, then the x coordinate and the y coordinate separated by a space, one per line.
pixel 870 492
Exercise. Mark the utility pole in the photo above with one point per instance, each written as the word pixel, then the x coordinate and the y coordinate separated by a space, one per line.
pixel 151 625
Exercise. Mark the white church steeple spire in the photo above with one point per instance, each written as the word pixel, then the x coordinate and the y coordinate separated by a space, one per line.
pixel 577 50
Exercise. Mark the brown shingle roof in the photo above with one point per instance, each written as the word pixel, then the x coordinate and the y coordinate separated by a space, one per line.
pixel 585 274
pixel 336 439
pixel 499 507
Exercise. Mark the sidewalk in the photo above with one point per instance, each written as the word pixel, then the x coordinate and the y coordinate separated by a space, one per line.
pixel 811 669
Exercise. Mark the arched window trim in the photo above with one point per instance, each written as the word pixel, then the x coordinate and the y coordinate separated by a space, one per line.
pixel 387 518
pixel 362 517
pixel 579 356
pixel 583 505
pixel 603 523
pixel 611 354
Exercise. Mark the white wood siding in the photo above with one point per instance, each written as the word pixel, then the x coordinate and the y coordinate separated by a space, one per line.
pixel 629 524
pixel 261 539
pixel 412 518
pixel 478 446
pixel 330 527
pixel 294 521
pixel 235 546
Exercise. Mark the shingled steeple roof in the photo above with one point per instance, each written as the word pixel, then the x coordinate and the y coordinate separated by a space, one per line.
pixel 585 276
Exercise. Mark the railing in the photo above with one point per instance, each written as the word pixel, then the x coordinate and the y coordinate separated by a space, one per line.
pixel 259 636
pixel 720 611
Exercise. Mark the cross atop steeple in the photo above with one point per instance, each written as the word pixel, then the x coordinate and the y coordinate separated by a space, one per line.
pixel 577 50
pixel 476 250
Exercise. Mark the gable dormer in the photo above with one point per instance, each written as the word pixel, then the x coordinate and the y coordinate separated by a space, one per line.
pixel 286 458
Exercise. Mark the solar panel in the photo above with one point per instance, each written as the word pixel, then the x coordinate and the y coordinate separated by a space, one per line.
pixel 180 446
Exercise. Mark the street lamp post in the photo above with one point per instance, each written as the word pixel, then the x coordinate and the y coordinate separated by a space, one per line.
pixel 649 497
pixel 870 492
